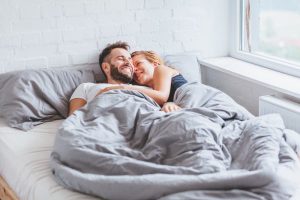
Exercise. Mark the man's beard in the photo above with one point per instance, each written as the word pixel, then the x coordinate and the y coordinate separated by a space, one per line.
pixel 119 76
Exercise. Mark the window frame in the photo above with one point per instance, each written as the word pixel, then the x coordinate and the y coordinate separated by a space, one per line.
pixel 274 63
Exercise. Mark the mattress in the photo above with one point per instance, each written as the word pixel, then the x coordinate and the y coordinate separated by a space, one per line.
pixel 24 163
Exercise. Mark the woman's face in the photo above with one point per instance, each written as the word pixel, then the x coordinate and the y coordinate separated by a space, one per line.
pixel 143 70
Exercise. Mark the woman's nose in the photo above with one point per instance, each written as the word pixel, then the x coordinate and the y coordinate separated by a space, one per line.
pixel 137 70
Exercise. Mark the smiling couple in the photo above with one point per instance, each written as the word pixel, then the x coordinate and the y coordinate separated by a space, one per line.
pixel 120 68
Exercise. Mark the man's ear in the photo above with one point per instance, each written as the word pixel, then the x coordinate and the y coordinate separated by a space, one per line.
pixel 106 67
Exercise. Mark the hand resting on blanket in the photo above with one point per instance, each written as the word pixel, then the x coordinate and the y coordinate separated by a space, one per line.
pixel 167 107
pixel 170 107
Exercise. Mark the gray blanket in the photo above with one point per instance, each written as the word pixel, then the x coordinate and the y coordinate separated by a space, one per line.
pixel 121 146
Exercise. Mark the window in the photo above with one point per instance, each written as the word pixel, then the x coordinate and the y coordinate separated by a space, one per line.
pixel 268 33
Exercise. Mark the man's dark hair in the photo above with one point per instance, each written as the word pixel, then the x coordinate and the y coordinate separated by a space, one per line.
pixel 107 50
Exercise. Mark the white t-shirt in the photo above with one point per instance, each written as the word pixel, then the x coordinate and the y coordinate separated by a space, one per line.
pixel 88 91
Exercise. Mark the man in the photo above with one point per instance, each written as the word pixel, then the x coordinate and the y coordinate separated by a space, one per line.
pixel 116 65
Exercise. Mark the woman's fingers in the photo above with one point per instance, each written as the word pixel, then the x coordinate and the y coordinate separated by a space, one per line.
pixel 164 109
pixel 175 107
pixel 170 107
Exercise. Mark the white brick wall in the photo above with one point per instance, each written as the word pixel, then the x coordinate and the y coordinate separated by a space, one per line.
pixel 154 4
pixel 35 34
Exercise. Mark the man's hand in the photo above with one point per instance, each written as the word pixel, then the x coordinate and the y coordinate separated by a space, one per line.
pixel 75 104
pixel 170 107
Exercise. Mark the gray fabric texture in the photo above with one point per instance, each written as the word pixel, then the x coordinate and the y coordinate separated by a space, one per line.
pixel 31 97
pixel 293 138
pixel 121 146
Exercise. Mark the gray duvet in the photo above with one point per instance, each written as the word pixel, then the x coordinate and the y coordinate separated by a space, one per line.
pixel 121 146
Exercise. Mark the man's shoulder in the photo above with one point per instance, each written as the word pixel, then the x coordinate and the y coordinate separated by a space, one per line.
pixel 95 84
pixel 92 86
pixel 88 84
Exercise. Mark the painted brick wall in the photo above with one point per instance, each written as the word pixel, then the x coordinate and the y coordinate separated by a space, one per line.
pixel 59 33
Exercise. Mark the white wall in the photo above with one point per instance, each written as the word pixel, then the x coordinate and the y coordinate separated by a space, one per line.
pixel 57 33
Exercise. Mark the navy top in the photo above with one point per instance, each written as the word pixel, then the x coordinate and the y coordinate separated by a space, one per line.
pixel 176 82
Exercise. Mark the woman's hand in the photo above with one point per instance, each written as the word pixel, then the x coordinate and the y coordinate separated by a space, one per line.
pixel 170 107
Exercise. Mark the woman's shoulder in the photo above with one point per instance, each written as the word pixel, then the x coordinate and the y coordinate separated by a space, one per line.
pixel 167 70
pixel 171 70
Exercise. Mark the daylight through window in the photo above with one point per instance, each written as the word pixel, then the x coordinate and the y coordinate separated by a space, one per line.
pixel 271 28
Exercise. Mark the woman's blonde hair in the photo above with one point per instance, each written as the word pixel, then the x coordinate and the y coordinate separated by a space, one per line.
pixel 151 56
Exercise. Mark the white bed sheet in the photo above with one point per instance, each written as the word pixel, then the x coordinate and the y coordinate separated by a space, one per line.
pixel 24 163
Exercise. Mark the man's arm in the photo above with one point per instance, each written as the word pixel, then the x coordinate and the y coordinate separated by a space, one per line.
pixel 75 104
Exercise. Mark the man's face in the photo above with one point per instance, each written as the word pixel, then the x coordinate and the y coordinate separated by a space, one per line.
pixel 121 67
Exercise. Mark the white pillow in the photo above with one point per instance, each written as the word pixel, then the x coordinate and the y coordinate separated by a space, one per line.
pixel 186 64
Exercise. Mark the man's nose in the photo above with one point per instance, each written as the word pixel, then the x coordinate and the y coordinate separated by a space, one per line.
pixel 128 60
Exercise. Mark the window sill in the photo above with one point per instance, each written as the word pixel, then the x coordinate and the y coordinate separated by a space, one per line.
pixel 280 82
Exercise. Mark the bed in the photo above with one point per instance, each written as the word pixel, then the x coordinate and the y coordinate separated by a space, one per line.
pixel 25 167
pixel 24 156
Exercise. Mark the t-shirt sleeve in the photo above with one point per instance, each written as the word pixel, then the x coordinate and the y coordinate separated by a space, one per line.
pixel 80 92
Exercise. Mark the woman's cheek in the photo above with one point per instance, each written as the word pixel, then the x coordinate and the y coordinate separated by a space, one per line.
pixel 137 79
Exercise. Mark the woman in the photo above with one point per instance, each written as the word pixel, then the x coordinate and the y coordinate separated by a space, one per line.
pixel 150 71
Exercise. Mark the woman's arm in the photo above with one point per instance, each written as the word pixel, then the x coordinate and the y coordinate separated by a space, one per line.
pixel 75 104
pixel 155 95
pixel 161 86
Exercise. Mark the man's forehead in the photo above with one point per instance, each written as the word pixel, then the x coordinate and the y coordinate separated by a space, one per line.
pixel 120 52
